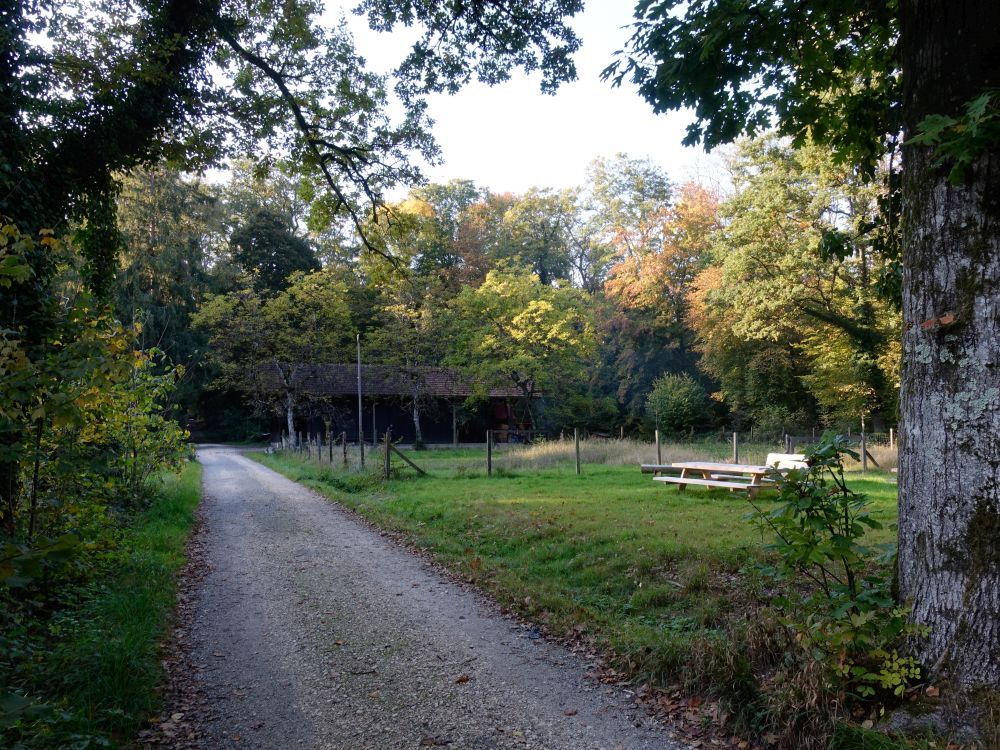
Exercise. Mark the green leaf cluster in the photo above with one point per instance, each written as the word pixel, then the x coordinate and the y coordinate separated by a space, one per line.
pixel 958 141
pixel 840 608
pixel 791 318
pixel 826 71
pixel 84 414
pixel 515 332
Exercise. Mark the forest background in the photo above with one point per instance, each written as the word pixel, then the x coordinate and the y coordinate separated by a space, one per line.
pixel 765 307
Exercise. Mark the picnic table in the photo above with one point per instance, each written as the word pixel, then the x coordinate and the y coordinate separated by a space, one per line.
pixel 749 477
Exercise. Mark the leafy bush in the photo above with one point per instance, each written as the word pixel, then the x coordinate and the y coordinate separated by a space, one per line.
pixel 677 403
pixel 846 627
pixel 84 426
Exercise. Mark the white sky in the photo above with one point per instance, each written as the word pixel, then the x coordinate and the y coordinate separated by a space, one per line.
pixel 512 137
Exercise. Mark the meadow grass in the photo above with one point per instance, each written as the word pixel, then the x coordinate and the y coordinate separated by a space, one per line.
pixel 102 673
pixel 650 574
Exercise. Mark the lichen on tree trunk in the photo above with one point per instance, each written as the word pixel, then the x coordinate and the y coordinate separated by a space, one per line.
pixel 949 463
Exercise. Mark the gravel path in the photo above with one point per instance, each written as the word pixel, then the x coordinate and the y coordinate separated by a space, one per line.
pixel 313 631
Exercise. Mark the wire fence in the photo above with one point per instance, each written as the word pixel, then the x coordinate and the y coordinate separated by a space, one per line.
pixel 581 447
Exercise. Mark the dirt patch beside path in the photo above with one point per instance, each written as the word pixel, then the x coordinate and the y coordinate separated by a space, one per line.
pixel 307 629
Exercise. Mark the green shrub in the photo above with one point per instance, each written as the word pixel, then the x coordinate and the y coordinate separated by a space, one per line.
pixel 677 403
pixel 837 605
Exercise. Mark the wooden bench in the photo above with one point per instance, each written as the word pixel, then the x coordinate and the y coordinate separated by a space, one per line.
pixel 785 461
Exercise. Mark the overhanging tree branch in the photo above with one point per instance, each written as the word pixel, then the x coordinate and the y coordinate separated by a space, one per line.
pixel 344 156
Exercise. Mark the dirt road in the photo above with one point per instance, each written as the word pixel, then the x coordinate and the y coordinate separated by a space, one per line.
pixel 310 630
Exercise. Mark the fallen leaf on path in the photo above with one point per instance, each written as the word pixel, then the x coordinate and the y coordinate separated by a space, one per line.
pixel 570 712
pixel 932 692
pixel 462 679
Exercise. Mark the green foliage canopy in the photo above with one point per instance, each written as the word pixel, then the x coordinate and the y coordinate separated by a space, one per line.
pixel 515 332
pixel 268 251
pixel 808 68
pixel 260 344
pixel 799 269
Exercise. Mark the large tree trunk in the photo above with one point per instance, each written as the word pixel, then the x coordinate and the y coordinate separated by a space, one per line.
pixel 949 464
pixel 290 417
pixel 417 432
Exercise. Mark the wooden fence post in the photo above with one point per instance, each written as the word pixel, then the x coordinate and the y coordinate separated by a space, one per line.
pixel 864 452
pixel 659 458
pixel 892 440
pixel 388 461
pixel 576 443
pixel 343 442
pixel 489 453
pixel 736 450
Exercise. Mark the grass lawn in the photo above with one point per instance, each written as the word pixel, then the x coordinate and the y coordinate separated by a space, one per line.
pixel 664 580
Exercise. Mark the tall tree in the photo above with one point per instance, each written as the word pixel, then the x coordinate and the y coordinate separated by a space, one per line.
pixel 172 230
pixel 798 267
pixel 852 75
pixel 260 345
pixel 513 331
pixel 538 226
pixel 657 259
pixel 269 252
pixel 760 381
pixel 626 197
pixel 411 338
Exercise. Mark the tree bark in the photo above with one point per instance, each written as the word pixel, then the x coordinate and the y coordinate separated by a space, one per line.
pixel 290 416
pixel 418 435
pixel 949 463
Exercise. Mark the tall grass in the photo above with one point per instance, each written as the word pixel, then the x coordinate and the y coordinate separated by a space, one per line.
pixel 625 452
pixel 883 454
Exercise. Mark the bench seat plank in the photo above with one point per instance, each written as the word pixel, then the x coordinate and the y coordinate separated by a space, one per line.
pixel 726 477
pixel 706 482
